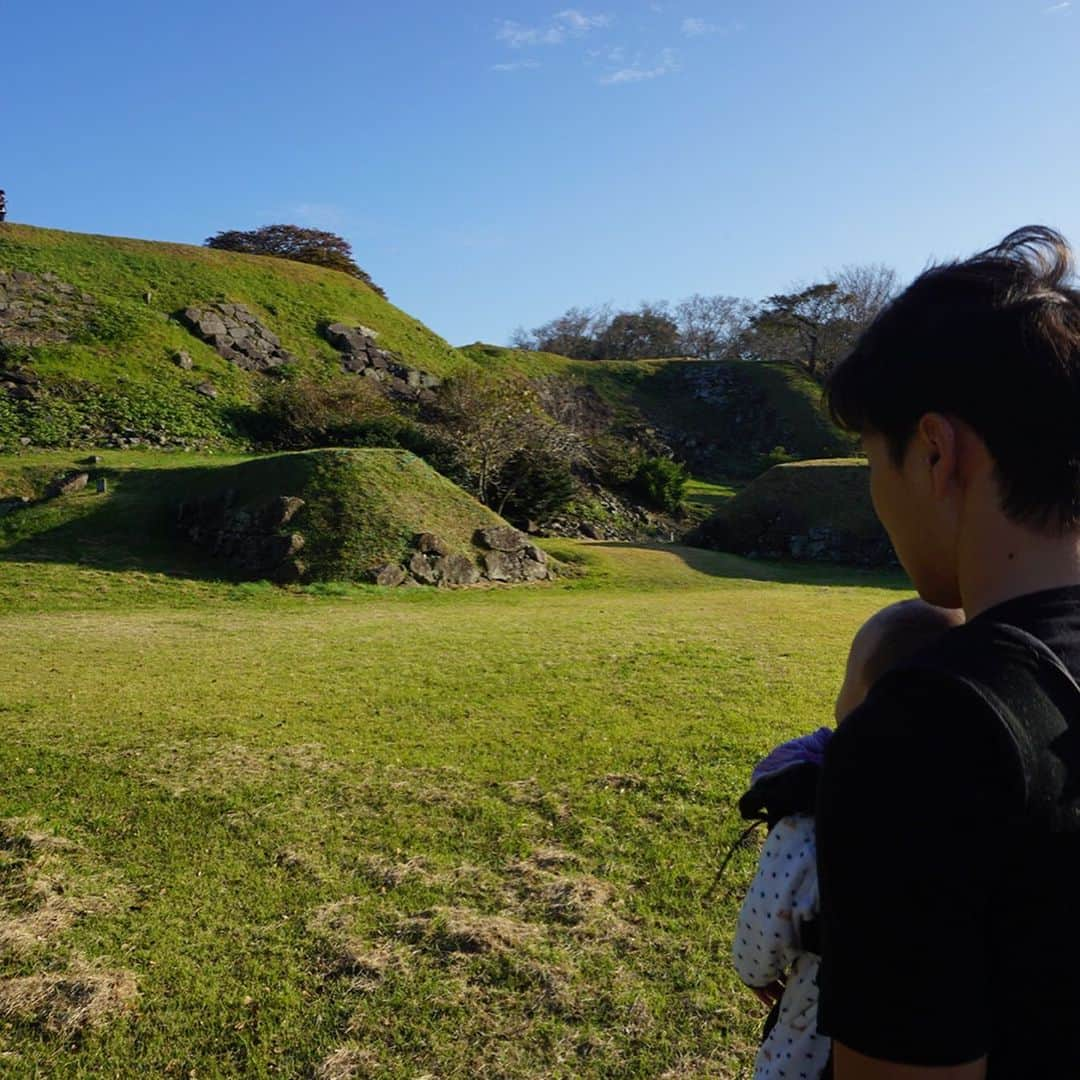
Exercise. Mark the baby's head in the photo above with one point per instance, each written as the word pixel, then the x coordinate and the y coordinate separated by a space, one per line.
pixel 886 639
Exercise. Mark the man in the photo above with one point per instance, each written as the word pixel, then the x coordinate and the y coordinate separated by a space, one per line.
pixel 3 206
pixel 949 855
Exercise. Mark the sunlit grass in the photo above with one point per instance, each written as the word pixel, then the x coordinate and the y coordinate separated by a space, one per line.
pixel 296 803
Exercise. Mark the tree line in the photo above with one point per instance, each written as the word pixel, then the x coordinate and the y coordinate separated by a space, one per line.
pixel 812 326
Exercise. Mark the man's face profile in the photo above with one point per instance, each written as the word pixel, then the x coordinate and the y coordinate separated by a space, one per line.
pixel 905 503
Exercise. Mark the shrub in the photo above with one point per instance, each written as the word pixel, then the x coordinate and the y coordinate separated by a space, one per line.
pixel 614 461
pixel 777 456
pixel 662 481
pixel 299 413
pixel 534 487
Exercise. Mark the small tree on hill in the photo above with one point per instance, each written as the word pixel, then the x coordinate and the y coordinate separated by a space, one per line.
pixel 641 334
pixel 709 326
pixel 501 434
pixel 298 244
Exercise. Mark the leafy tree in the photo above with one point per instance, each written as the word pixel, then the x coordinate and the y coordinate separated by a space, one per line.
pixel 816 325
pixel 637 335
pixel 298 244
pixel 811 328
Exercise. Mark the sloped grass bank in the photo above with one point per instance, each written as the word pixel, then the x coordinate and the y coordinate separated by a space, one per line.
pixel 421 833
pixel 805 510
pixel 118 371
pixel 760 405
pixel 362 508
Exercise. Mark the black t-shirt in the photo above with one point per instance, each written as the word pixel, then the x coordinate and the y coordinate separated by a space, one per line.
pixel 949 911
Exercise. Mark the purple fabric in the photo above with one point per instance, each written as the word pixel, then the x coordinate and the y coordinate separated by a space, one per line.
pixel 806 748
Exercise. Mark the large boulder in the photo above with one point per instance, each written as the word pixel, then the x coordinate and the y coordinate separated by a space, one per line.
pixel 456 570
pixel 430 544
pixel 389 576
pixel 502 538
pixel 422 567
pixel 513 567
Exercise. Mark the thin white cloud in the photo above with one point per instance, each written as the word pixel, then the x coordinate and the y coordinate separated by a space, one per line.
pixel 1057 9
pixel 580 23
pixel 668 63
pixel 520 65
pixel 701 27
pixel 515 35
pixel 564 24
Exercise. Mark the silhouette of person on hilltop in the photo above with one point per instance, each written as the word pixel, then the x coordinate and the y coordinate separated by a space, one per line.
pixel 3 206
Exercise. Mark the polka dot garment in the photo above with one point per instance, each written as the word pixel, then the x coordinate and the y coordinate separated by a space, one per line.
pixel 781 899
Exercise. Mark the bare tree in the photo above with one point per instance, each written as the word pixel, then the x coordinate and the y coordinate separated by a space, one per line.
pixel 709 325
pixel 575 333
pixel 866 288
pixel 497 421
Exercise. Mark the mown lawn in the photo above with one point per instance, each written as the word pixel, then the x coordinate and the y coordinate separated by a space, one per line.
pixel 345 832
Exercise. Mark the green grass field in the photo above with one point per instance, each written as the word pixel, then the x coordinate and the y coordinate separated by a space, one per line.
pixel 339 831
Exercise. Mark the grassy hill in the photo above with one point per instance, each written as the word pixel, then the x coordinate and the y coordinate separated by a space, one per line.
pixel 362 508
pixel 118 361
pixel 724 417
pixel 810 509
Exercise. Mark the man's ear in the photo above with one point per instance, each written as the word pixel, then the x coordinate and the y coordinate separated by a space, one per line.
pixel 936 448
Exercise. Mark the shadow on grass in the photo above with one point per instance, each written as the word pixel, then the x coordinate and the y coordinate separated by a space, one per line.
pixel 132 528
pixel 787 572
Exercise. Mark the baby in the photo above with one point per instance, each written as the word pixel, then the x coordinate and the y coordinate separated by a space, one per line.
pixel 776 951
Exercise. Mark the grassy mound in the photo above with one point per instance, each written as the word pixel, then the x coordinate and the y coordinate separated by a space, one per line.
pixel 805 510
pixel 724 417
pixel 123 350
pixel 362 508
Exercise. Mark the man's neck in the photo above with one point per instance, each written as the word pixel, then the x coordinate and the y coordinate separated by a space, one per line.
pixel 999 560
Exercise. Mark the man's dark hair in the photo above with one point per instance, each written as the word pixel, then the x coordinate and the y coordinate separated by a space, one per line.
pixel 993 340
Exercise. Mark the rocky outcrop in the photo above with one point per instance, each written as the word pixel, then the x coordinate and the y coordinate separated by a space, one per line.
pixel 20 384
pixel 40 309
pixel 361 355
pixel 603 515
pixel 235 334
pixel 511 558
pixel 251 539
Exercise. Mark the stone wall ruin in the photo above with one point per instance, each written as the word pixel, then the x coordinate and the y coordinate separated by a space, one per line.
pixel 237 336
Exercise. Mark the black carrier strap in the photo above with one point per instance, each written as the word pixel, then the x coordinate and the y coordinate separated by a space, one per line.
pixel 1034 697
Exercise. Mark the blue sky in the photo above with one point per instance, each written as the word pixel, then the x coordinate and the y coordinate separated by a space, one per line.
pixel 493 164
